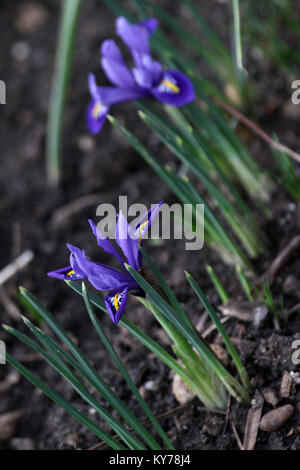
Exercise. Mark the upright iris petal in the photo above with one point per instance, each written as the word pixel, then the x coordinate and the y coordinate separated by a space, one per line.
pixel 105 243
pixel 148 73
pixel 142 227
pixel 150 24
pixel 126 242
pixel 135 36
pixel 174 88
pixel 114 66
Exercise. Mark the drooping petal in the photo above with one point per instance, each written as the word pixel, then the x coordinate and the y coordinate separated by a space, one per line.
pixel 66 273
pixel 127 244
pixel 105 243
pixel 102 277
pixel 115 303
pixel 113 95
pixel 135 36
pixel 95 116
pixel 175 88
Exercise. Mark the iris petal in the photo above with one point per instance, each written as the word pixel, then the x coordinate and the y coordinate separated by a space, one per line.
pixel 93 87
pixel 110 49
pixel 112 95
pixel 148 73
pixel 175 88
pixel 115 303
pixel 143 226
pixel 145 222
pixel 136 37
pixel 150 24
pixel 117 73
pixel 153 67
pixel 105 243
pixel 102 277
pixel 127 244
pixel 66 273
pixel 95 116
pixel 142 77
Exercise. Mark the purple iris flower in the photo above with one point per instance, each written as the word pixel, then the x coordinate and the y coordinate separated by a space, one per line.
pixel 104 278
pixel 146 79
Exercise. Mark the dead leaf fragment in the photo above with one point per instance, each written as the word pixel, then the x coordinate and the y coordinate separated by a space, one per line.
pixel 252 422
pixel 244 310
pixel 286 384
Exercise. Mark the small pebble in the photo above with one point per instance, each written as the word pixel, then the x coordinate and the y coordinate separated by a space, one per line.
pixel 181 391
pixel 291 285
pixel 30 17
pixel 22 443
pixel 86 143
pixel 270 396
pixel 277 418
pixel 20 51
pixel 151 385
pixel 72 439
pixel 260 314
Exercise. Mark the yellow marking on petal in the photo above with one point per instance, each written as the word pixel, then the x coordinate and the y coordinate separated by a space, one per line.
pixel 116 301
pixel 70 272
pixel 96 109
pixel 141 228
pixel 170 85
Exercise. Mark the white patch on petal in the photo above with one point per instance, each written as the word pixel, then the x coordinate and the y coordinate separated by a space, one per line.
pixel 98 110
pixel 169 85
pixel 116 300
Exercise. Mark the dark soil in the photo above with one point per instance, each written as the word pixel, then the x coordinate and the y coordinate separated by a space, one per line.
pixel 107 167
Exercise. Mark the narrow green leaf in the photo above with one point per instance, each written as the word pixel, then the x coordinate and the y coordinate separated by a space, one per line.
pixel 61 81
pixel 217 283
pixel 123 370
pixel 80 417
pixel 191 335
pixel 97 381
pixel 230 347
pixel 55 361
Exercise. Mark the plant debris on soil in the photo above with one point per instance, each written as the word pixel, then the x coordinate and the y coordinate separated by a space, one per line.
pixel 97 170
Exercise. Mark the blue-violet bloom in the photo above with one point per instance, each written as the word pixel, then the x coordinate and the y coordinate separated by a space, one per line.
pixel 105 278
pixel 146 79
